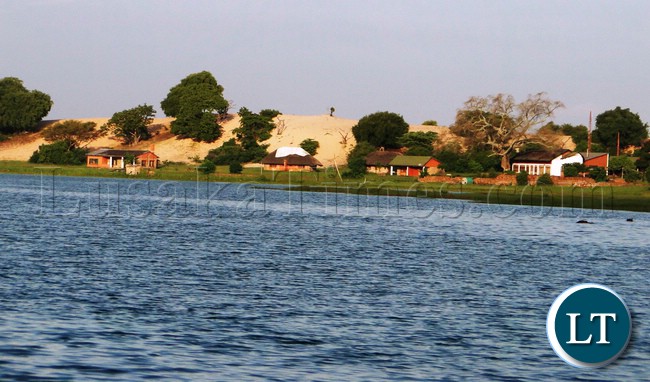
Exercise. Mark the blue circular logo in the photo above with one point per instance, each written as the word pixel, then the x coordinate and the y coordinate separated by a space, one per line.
pixel 589 325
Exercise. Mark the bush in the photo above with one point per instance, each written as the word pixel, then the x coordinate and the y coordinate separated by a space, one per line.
pixel 58 153
pixel 522 178
pixel 207 167
pixel 545 180
pixel 357 159
pixel 632 176
pixel 310 145
pixel 570 170
pixel 430 122
pixel 235 168
pixel 597 173
pixel 647 176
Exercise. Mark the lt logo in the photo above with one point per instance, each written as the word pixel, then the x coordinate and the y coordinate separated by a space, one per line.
pixel 589 325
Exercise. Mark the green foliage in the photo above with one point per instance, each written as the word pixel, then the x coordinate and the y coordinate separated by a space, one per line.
pixel 130 125
pixel 451 160
pixel 612 122
pixel 380 129
pixel 230 151
pixel 430 122
pixel 621 164
pixel 310 145
pixel 196 102
pixel 545 180
pixel 235 168
pixel 207 167
pixel 643 163
pixel 573 169
pixel 270 113
pixel 632 176
pixel 357 159
pixel 253 128
pixel 58 153
pixel 418 142
pixel 647 176
pixel 522 178
pixel 74 133
pixel 597 173
pixel 21 109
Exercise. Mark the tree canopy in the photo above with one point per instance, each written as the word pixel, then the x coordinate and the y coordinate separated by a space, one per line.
pixel 418 142
pixel 21 109
pixel 310 145
pixel 500 124
pixel 75 134
pixel 196 103
pixel 380 129
pixel 130 125
pixel 612 122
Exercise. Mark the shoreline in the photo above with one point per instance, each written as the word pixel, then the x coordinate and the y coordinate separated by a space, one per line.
pixel 634 198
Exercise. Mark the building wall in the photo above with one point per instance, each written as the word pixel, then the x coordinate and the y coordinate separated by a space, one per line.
pixel 600 161
pixel 96 161
pixel 281 167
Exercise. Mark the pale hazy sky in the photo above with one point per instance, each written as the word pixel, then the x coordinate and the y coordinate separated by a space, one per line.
pixel 421 59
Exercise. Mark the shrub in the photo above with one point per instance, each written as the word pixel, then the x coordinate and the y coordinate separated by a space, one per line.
pixel 597 173
pixel 235 168
pixel 647 176
pixel 310 145
pixel 430 122
pixel 545 180
pixel 207 167
pixel 632 176
pixel 570 170
pixel 58 153
pixel 522 178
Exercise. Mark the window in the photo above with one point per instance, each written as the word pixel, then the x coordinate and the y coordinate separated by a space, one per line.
pixel 93 160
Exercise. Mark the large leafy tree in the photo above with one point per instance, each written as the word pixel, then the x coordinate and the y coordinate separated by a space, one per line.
pixel 74 133
pixel 500 124
pixel 611 123
pixel 418 142
pixel 131 125
pixel 196 102
pixel 380 129
pixel 21 109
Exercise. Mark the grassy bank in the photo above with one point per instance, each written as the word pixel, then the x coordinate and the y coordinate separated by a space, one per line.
pixel 631 198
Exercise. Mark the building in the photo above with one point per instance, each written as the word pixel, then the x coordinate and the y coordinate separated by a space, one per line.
pixel 408 165
pixel 378 162
pixel 596 160
pixel 544 162
pixel 290 159
pixel 118 159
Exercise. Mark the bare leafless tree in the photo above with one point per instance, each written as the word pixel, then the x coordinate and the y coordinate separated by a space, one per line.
pixel 502 125
pixel 280 125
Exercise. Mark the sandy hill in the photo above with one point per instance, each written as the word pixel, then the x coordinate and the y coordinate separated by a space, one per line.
pixel 333 133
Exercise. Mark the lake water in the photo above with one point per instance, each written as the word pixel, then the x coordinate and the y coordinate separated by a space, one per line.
pixel 123 280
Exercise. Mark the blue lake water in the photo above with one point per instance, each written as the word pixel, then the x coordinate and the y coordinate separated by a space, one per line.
pixel 124 280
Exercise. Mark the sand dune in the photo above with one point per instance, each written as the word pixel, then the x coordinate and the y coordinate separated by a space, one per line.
pixel 333 133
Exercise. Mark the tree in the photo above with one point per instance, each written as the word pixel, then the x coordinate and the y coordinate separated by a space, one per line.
pixel 332 110
pixel 21 109
pixel 380 129
pixel 430 122
pixel 418 142
pixel 644 157
pixel 75 133
pixel 58 153
pixel 197 103
pixel 498 123
pixel 207 167
pixel 310 145
pixel 357 158
pixel 253 129
pixel 235 168
pixel 230 151
pixel 131 125
pixel 612 123
pixel 621 164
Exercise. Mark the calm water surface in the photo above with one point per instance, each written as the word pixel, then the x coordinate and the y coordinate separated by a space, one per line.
pixel 123 280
